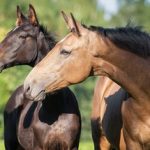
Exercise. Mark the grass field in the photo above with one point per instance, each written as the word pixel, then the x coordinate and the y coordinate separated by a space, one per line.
pixel 83 145
pixel 2 145
pixel 86 146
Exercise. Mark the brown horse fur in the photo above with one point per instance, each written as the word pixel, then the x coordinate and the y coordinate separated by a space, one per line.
pixel 51 124
pixel 106 119
pixel 120 54
pixel 56 122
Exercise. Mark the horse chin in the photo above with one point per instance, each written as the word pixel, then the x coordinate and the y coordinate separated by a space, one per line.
pixel 56 85
pixel 40 97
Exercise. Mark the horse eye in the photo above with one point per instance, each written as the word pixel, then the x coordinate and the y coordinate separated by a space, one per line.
pixel 65 52
pixel 22 36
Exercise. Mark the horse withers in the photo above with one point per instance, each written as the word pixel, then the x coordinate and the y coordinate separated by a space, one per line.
pixel 122 54
pixel 54 123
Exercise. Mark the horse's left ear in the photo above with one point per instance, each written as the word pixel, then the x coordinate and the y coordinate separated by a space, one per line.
pixel 73 25
pixel 21 19
pixel 32 16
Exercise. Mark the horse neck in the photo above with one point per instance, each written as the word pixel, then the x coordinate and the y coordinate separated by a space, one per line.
pixel 44 45
pixel 26 107
pixel 125 68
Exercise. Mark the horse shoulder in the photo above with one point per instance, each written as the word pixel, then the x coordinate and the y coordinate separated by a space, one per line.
pixel 136 123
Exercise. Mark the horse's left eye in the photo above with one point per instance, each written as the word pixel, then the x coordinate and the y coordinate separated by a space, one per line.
pixel 65 52
pixel 22 36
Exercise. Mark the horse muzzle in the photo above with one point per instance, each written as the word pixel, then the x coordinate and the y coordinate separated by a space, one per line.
pixel 34 94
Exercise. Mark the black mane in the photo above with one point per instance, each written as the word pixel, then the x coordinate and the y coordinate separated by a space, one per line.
pixel 49 36
pixel 132 39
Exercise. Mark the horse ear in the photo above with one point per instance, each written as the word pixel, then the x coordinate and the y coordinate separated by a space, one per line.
pixel 71 23
pixel 32 16
pixel 76 25
pixel 65 18
pixel 20 17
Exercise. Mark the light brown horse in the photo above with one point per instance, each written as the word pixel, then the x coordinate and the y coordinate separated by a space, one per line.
pixel 120 54
pixel 106 119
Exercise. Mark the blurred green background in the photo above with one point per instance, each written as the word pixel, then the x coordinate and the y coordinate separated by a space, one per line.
pixel 109 13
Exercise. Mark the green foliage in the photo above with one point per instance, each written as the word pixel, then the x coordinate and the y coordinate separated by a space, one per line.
pixel 2 145
pixel 134 11
pixel 84 92
pixel 49 12
pixel 86 146
pixel 10 79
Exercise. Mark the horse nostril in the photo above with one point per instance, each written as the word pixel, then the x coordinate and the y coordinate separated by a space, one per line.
pixel 27 92
pixel 28 89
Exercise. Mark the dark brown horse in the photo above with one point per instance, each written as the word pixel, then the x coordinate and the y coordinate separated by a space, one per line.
pixel 122 54
pixel 55 122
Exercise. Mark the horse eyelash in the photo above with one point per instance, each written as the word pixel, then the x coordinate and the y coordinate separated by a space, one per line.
pixel 65 52
pixel 23 37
